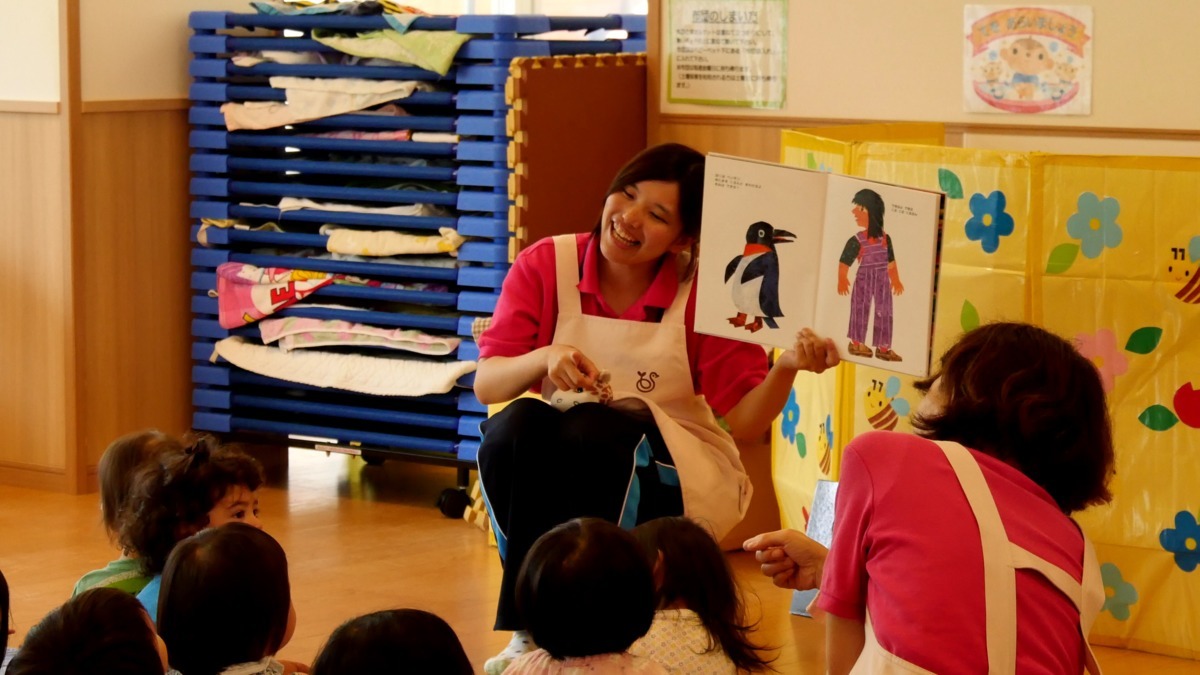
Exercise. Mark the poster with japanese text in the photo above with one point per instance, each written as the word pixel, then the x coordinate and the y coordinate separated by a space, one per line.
pixel 1027 60
pixel 727 52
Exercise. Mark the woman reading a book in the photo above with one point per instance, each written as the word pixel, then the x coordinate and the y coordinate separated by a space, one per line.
pixel 946 559
pixel 620 300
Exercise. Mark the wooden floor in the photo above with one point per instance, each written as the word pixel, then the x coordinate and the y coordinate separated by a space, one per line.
pixel 361 539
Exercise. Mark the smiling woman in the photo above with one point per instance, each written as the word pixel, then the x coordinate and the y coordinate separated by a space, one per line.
pixel 620 300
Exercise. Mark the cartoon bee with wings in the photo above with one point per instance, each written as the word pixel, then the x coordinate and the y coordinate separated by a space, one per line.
pixel 1182 269
pixel 883 406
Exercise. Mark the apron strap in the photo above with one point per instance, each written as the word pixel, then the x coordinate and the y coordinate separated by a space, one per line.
pixel 566 266
pixel 678 309
pixel 1000 553
pixel 999 581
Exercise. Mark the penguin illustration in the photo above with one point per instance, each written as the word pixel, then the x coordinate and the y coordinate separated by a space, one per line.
pixel 754 276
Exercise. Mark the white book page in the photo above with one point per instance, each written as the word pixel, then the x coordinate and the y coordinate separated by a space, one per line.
pixel 753 212
pixel 910 221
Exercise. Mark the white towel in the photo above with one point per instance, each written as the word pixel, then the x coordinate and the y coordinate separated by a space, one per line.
pixel 311 98
pixel 351 372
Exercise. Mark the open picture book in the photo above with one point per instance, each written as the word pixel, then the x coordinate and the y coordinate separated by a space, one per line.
pixel 783 248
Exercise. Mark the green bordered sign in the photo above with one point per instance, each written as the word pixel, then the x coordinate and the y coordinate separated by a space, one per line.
pixel 727 52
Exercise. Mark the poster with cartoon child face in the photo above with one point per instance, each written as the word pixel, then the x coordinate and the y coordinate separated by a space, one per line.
pixel 1027 60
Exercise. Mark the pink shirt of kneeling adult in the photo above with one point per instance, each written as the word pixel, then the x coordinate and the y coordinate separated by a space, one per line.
pixel 906 546
pixel 723 370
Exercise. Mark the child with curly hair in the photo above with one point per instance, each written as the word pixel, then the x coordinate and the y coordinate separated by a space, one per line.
pixel 204 484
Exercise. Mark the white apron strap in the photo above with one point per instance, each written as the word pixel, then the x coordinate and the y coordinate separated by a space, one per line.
pixel 875 660
pixel 1087 597
pixel 999 580
pixel 566 266
pixel 678 309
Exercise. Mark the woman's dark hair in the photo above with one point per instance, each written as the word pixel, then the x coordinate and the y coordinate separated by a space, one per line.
pixel 98 631
pixel 225 599
pixel 873 203
pixel 671 163
pixel 119 465
pixel 1027 397
pixel 395 640
pixel 585 589
pixel 694 573
pixel 4 614
pixel 170 499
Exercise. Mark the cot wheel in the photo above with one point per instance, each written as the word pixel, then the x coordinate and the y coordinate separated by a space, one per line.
pixel 453 502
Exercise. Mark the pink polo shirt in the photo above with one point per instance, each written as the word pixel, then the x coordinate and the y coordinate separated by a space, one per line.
pixel 906 546
pixel 723 370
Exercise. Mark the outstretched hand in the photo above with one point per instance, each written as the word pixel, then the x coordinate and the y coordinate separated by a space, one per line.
pixel 810 352
pixel 789 558
pixel 569 369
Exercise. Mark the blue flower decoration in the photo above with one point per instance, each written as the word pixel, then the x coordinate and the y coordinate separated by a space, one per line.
pixel 1183 541
pixel 1123 593
pixel 1094 224
pixel 791 418
pixel 988 221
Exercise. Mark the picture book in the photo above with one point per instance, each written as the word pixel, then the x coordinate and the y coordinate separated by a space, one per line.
pixel 783 248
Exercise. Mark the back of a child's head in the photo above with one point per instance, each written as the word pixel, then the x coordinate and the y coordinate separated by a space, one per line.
pixel 692 572
pixel 585 589
pixel 4 614
pixel 103 630
pixel 225 599
pixel 118 466
pixel 170 499
pixel 395 641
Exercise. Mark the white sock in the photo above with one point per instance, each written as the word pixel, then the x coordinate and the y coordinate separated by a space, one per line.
pixel 520 644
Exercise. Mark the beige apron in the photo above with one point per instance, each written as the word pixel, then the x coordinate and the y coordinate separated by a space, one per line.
pixel 1001 560
pixel 650 369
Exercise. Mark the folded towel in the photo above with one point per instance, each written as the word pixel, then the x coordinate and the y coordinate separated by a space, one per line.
pixel 350 372
pixel 294 332
pixel 386 243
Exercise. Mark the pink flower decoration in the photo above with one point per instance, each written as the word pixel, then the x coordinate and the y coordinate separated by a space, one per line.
pixel 1102 350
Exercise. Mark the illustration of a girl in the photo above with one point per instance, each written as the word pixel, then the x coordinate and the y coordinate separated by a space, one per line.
pixel 877 274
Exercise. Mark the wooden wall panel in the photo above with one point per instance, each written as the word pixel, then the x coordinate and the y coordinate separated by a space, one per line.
pixel 35 292
pixel 133 311
pixel 711 135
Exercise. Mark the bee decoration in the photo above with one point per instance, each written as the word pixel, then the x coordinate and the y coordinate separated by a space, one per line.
pixel 825 440
pixel 1182 269
pixel 883 405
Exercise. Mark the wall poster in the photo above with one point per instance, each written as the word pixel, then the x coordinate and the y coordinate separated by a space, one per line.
pixel 1027 60
pixel 727 52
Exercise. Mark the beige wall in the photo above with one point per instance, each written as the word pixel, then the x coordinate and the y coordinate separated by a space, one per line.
pixel 875 60
pixel 137 49
pixel 29 54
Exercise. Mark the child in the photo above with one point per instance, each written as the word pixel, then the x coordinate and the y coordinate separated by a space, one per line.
pixel 586 592
pixel 393 641
pixel 621 299
pixel 5 653
pixel 118 466
pixel 103 630
pixel 203 485
pixel 701 625
pixel 226 603
pixel 876 281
